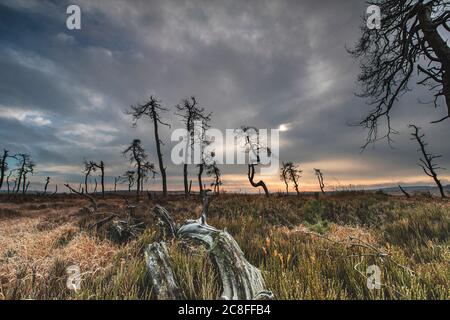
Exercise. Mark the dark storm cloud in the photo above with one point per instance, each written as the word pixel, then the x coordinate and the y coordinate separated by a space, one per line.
pixel 262 63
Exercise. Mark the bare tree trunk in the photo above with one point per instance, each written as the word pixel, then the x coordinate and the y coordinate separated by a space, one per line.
pixel 138 182
pixel 47 181
pixel 20 177
pixel 200 183
pixel 162 169
pixel 86 181
pixel 185 177
pixel 7 180
pixel 240 279
pixel 251 176
pixel 407 195
pixel 3 167
pixel 159 266
pixel 440 49
pixel 427 162
pixel 102 170
pixel 24 183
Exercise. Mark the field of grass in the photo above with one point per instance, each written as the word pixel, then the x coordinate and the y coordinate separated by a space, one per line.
pixel 306 247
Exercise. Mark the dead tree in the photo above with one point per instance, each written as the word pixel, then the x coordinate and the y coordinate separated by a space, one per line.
pixel 240 280
pixel 159 266
pixel 411 38
pixel 89 166
pixel 138 156
pixel 320 179
pixel 152 109
pixel 407 195
pixel 205 157
pixel 254 147
pixel 101 167
pixel 116 181
pixel 213 170
pixel 190 113
pixel 147 169
pixel 284 176
pixel 427 162
pixel 11 172
pixel 3 166
pixel 94 206
pixel 26 166
pixel 129 177
pixel 47 181
pixel 293 174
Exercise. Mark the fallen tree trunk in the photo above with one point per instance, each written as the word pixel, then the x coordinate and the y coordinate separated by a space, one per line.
pixel 157 259
pixel 240 279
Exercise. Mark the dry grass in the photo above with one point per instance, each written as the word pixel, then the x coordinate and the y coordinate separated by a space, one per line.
pixel 301 244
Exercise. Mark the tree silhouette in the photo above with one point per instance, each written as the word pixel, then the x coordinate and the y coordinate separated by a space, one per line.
pixel 427 162
pixel 320 179
pixel 47 181
pixel 190 112
pixel 410 39
pixel 284 176
pixel 152 109
pixel 101 167
pixel 213 170
pixel 129 177
pixel 3 166
pixel 26 166
pixel 293 174
pixel 89 166
pixel 254 147
pixel 138 156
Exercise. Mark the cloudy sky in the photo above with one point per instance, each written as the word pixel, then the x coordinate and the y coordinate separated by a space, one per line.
pixel 262 63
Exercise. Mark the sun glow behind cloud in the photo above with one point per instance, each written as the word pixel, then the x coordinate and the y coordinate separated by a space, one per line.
pixel 26 116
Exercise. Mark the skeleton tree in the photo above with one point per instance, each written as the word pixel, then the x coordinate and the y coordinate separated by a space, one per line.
pixel 129 177
pixel 427 162
pixel 101 167
pixel 152 109
pixel 284 176
pixel 205 158
pixel 293 174
pixel 213 170
pixel 147 168
pixel 320 179
pixel 254 147
pixel 89 167
pixel 411 38
pixel 3 166
pixel 26 166
pixel 47 181
pixel 138 156
pixel 190 112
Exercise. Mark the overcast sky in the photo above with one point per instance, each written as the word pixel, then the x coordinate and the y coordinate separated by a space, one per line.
pixel 262 63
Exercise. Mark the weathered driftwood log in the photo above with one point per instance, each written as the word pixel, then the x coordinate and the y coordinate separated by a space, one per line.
pixel 166 220
pixel 240 279
pixel 159 267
